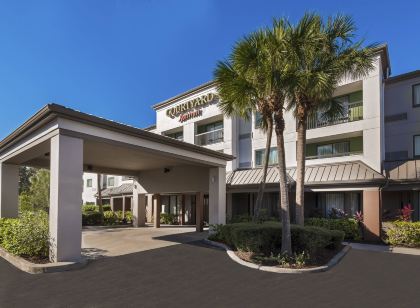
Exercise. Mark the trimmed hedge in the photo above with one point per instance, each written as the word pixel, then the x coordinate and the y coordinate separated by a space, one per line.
pixel 404 233
pixel 95 208
pixel 27 235
pixel 91 218
pixel 349 226
pixel 266 237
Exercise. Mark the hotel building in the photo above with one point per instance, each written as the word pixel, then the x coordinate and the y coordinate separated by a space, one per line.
pixel 367 160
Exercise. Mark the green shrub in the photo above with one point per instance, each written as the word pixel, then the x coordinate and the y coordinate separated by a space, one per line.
pixel 91 218
pixel 27 235
pixel 168 219
pixel 403 233
pixel 349 226
pixel 129 217
pixel 106 207
pixel 110 218
pixel 89 208
pixel 265 238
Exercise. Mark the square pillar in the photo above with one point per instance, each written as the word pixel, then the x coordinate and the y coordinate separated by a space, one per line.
pixel 66 172
pixel 139 209
pixel 149 208
pixel 157 207
pixel 123 207
pixel 217 195
pixel 9 190
pixel 199 212
pixel 372 219
pixel 111 202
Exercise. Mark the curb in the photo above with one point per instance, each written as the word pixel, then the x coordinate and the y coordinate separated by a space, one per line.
pixel 274 269
pixel 33 268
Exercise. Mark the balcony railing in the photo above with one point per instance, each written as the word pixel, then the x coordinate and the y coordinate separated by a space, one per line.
pixel 334 155
pixel 211 137
pixel 354 113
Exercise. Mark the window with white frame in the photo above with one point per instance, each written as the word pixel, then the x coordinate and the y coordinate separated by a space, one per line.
pixel 272 158
pixel 416 146
pixel 333 149
pixel 89 183
pixel 111 181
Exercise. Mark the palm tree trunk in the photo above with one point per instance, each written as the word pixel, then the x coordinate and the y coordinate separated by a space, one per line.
pixel 261 187
pixel 286 238
pixel 100 204
pixel 300 170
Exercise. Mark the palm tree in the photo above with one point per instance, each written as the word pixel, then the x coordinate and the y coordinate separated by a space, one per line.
pixel 242 88
pixel 321 54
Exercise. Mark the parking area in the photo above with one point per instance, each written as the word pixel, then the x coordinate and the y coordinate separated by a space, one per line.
pixel 193 274
pixel 110 242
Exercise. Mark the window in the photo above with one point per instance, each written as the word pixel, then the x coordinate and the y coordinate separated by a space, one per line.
pixel 209 133
pixel 89 183
pixel 333 149
pixel 209 127
pixel 417 146
pixel 416 95
pixel 177 135
pixel 258 120
pixel 111 181
pixel 272 159
pixel 126 178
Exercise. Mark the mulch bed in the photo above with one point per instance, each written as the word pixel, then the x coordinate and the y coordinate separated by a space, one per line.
pixel 36 259
pixel 321 258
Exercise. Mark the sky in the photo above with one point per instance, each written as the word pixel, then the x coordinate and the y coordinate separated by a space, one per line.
pixel 116 58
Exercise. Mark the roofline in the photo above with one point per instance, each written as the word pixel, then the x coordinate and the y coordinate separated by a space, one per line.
pixel 402 77
pixel 148 128
pixel 386 64
pixel 195 90
pixel 52 111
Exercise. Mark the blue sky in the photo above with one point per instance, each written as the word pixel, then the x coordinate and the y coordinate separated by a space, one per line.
pixel 116 58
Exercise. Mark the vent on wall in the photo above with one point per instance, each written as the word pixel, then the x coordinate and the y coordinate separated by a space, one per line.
pixel 396 117
pixel 396 155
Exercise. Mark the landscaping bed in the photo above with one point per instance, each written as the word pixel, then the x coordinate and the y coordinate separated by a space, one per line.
pixel 260 243
pixel 92 217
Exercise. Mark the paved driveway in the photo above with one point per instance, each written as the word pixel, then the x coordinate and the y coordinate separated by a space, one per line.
pixel 195 275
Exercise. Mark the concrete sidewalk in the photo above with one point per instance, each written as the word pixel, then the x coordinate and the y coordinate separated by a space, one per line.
pixel 385 248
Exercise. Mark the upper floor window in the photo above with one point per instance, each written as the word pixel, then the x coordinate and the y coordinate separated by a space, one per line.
pixel 350 146
pixel 209 133
pixel 126 178
pixel 258 120
pixel 416 95
pixel 176 135
pixel 111 181
pixel 417 146
pixel 89 183
pixel 272 158
pixel 333 149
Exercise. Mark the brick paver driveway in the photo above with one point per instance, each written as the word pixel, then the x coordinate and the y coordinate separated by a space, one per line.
pixel 195 275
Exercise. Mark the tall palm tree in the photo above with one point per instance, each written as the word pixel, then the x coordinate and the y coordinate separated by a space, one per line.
pixel 321 53
pixel 242 86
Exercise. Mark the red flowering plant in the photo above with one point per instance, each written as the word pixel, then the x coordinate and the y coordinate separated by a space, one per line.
pixel 358 216
pixel 406 212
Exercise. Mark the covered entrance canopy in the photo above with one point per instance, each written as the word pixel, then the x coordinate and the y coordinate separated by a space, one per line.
pixel 69 142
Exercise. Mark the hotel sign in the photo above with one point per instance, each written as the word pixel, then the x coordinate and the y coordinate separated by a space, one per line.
pixel 192 108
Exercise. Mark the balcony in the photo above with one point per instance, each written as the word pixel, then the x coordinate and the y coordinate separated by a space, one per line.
pixel 354 112
pixel 211 137
pixel 330 155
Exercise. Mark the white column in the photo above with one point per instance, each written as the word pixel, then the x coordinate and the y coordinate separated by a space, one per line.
pixel 9 190
pixel 217 195
pixel 123 207
pixel 65 198
pixel 111 202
